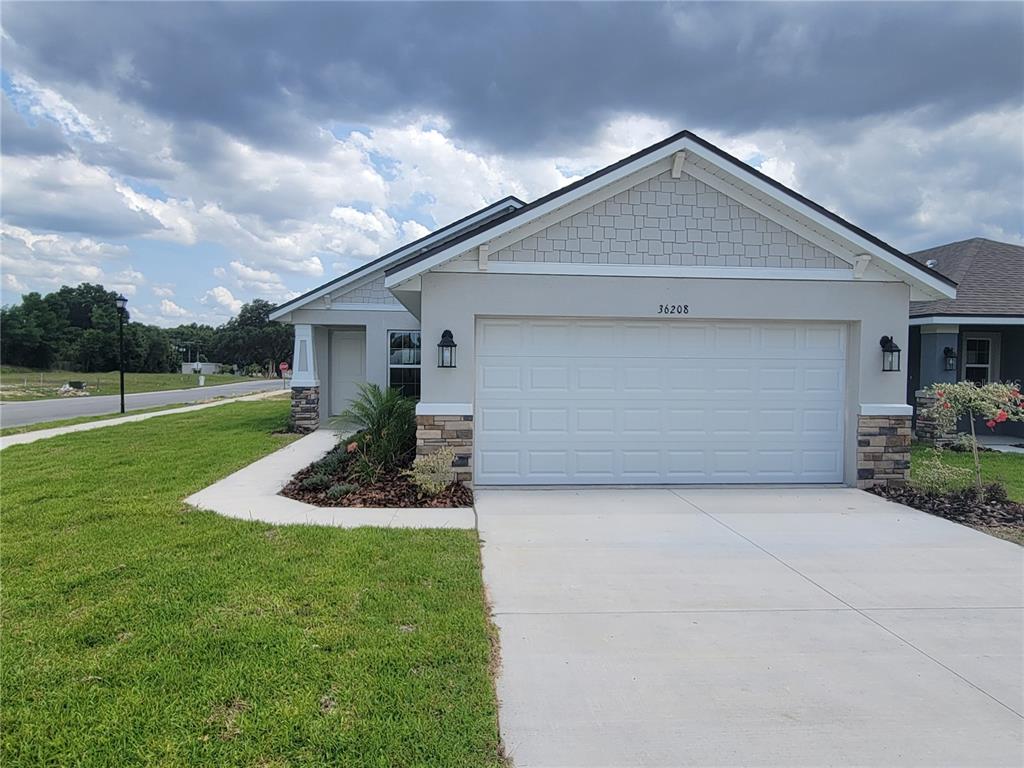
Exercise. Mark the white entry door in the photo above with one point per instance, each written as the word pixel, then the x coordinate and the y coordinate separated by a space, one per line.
pixel 563 401
pixel 348 367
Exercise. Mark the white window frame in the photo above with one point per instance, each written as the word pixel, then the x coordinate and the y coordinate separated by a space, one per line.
pixel 391 365
pixel 993 340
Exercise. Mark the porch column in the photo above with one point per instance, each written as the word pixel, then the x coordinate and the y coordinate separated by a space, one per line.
pixel 305 383
pixel 934 340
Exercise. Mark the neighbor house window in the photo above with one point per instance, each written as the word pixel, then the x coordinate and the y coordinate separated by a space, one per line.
pixel 404 362
pixel 981 364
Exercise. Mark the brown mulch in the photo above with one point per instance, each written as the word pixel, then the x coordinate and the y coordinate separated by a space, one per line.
pixel 962 507
pixel 392 490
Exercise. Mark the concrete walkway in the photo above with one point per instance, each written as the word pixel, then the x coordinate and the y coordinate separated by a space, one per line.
pixel 758 627
pixel 42 434
pixel 252 494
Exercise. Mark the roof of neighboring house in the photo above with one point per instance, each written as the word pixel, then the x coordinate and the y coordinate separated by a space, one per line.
pixel 654 148
pixel 438 236
pixel 989 274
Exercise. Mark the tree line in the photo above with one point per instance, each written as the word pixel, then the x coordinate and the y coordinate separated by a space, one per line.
pixel 75 329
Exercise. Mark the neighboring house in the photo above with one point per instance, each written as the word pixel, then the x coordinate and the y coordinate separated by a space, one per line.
pixel 979 335
pixel 676 317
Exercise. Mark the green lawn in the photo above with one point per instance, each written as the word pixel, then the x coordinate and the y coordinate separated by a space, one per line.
pixel 27 384
pixel 1006 468
pixel 139 632
pixel 5 431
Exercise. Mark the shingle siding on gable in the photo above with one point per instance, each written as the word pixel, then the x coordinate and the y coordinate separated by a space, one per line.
pixel 680 222
pixel 373 292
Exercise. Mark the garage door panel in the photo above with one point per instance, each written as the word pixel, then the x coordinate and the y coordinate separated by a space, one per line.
pixel 578 401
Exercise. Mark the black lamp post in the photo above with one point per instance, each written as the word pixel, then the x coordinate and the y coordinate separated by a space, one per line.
pixel 122 304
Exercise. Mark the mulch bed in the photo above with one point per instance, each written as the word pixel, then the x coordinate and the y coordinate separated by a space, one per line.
pixel 960 507
pixel 392 490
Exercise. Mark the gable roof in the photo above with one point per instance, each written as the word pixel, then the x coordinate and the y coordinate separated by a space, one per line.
pixel 990 277
pixel 934 282
pixel 437 238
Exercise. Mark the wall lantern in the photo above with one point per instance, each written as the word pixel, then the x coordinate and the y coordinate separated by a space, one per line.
pixel 949 355
pixel 446 350
pixel 890 354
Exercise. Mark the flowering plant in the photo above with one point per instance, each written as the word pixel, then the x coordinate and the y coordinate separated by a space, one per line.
pixel 996 402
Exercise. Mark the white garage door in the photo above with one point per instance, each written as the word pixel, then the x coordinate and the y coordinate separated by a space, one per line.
pixel 658 401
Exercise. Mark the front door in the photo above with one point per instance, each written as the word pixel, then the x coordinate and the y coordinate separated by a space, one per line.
pixel 348 367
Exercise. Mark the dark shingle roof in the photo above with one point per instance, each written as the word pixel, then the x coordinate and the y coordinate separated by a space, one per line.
pixel 990 278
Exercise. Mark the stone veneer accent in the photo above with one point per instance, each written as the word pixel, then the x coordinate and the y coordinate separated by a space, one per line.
pixel 926 428
pixel 305 409
pixel 883 450
pixel 455 432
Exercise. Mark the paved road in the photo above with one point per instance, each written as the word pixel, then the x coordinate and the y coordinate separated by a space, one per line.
pixel 760 627
pixel 15 414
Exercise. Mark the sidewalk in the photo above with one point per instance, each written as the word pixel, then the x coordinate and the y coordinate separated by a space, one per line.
pixel 42 434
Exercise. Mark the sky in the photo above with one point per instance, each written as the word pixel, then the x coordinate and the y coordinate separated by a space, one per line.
pixel 196 156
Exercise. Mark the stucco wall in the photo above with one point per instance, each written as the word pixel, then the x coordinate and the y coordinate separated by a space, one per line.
pixel 673 222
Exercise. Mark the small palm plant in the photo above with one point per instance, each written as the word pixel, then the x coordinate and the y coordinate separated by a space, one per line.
pixel 387 422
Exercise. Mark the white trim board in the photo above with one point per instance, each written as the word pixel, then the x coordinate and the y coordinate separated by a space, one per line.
pixel 656 162
pixel 444 409
pixel 886 409
pixel 967 320
pixel 649 270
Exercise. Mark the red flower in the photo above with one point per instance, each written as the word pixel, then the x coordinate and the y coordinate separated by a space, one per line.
pixel 946 405
pixel 939 393
pixel 990 424
pixel 1001 417
pixel 351 447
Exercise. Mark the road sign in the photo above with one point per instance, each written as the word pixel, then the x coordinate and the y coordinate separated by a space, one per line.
pixel 283 367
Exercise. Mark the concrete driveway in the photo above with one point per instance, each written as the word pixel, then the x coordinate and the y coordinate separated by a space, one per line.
pixel 751 627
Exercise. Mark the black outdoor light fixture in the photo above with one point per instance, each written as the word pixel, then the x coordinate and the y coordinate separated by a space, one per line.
pixel 446 350
pixel 890 354
pixel 949 355
pixel 122 305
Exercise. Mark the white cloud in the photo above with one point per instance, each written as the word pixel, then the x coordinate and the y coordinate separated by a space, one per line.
pixel 163 291
pixel 169 309
pixel 221 297
pixel 45 102
pixel 44 262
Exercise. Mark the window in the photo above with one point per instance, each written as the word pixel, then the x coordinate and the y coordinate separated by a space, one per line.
pixel 981 358
pixel 404 362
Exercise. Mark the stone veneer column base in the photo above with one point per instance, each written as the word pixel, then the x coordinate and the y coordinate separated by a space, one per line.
pixel 883 450
pixel 305 409
pixel 926 428
pixel 455 432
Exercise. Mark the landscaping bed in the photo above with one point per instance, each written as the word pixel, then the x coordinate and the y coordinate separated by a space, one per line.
pixel 329 482
pixel 962 507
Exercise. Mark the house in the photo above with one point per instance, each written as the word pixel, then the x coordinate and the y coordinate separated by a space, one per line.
pixel 207 369
pixel 979 334
pixel 676 317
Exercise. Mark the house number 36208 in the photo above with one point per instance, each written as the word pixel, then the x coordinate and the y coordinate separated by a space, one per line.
pixel 673 309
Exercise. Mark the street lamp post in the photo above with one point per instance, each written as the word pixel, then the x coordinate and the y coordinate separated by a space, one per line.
pixel 122 304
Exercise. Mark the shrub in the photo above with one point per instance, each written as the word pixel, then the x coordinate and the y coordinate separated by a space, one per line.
pixel 388 430
pixel 316 482
pixel 339 490
pixel 998 402
pixel 433 473
pixel 333 463
pixel 932 475
pixel 995 492
pixel 964 443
